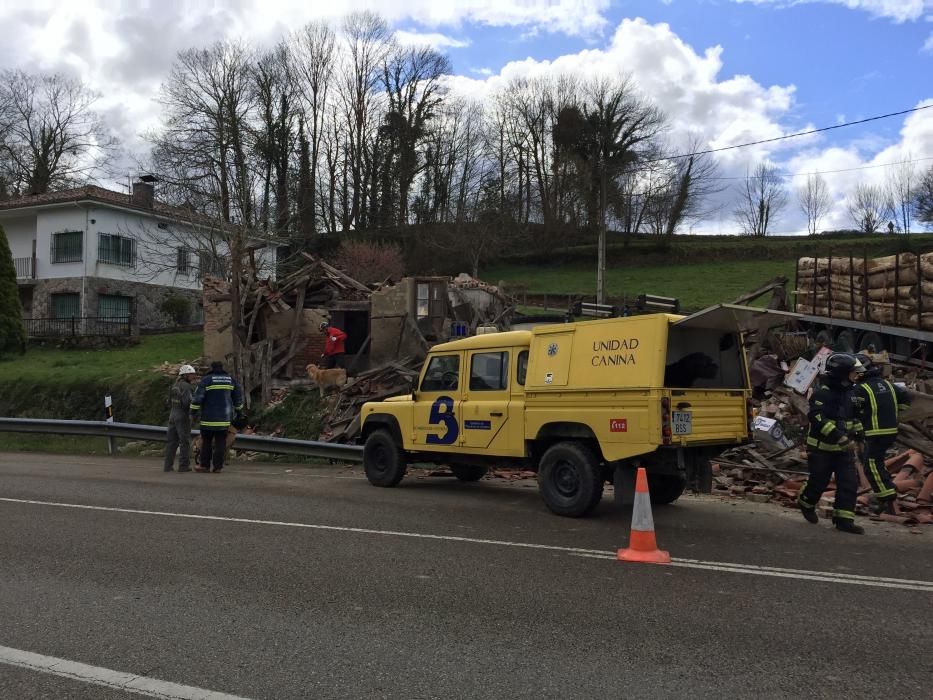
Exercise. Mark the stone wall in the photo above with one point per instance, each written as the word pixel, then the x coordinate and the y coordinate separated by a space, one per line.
pixel 146 304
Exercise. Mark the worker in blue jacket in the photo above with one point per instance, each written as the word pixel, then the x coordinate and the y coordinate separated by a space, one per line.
pixel 833 427
pixel 878 405
pixel 218 400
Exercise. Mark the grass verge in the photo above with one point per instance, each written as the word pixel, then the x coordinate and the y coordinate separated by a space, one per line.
pixel 697 285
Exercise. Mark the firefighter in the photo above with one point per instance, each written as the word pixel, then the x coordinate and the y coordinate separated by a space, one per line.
pixel 878 403
pixel 333 346
pixel 179 421
pixel 219 400
pixel 833 426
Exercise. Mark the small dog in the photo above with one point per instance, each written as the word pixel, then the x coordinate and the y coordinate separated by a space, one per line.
pixel 683 373
pixel 325 378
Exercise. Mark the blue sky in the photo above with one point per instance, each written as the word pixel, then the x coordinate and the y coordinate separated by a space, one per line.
pixel 846 64
pixel 728 71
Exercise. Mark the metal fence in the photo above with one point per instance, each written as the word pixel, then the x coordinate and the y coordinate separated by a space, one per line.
pixel 131 431
pixel 25 268
pixel 77 326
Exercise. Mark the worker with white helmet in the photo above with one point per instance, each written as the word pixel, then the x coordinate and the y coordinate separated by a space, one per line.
pixel 179 420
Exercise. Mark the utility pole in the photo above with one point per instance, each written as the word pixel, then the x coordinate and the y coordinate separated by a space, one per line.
pixel 601 243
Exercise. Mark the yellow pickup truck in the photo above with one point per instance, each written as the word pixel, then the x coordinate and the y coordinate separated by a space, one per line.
pixel 581 404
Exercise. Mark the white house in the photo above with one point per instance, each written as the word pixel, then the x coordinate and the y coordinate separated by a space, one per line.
pixel 94 253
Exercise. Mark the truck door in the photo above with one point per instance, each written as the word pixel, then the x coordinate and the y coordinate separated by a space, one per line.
pixel 485 408
pixel 437 405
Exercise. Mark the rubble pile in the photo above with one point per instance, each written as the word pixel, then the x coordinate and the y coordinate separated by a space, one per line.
pixel 477 303
pixel 774 466
pixel 342 423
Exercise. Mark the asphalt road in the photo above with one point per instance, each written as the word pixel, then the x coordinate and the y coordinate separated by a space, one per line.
pixel 309 583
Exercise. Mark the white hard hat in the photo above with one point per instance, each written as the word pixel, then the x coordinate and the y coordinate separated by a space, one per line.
pixel 186 369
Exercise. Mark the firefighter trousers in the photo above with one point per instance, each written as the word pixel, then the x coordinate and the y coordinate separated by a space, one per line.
pixel 213 448
pixel 873 456
pixel 823 466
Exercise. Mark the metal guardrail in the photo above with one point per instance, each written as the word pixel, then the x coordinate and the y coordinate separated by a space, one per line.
pixel 157 433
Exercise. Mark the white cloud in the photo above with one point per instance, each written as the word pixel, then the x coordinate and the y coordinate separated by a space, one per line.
pixel 436 39
pixel 928 45
pixel 898 10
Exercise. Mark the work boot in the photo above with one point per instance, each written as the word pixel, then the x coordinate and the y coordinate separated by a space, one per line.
pixel 810 515
pixel 884 505
pixel 845 525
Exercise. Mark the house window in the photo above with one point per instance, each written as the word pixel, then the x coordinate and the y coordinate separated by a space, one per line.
pixel 111 307
pixel 66 305
pixel 423 309
pixel 67 247
pixel 184 261
pixel 211 264
pixel 489 371
pixel 116 250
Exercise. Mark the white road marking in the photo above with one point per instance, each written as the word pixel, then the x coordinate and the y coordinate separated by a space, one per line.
pixel 131 683
pixel 802 574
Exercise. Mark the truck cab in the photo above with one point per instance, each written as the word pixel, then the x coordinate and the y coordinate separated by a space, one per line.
pixel 581 404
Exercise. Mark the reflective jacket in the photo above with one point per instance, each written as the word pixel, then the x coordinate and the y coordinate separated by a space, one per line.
pixel 218 398
pixel 878 402
pixel 832 416
pixel 334 343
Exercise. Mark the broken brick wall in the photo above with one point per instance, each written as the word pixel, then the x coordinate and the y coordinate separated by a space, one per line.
pixel 218 336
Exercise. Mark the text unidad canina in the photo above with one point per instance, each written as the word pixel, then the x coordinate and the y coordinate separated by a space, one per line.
pixel 616 351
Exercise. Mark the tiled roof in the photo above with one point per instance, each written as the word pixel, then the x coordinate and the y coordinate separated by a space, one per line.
pixel 97 194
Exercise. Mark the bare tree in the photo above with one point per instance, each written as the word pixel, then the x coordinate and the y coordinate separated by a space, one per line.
pixel 814 200
pixel 203 155
pixel 276 99
pixel 900 186
pixel 50 135
pixel 761 200
pixel 202 148
pixel 868 207
pixel 686 186
pixel 367 42
pixel 923 198
pixel 609 135
pixel 313 53
pixel 412 80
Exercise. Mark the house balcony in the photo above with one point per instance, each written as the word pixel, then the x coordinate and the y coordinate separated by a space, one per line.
pixel 25 270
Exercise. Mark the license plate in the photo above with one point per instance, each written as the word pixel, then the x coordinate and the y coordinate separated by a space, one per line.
pixel 682 422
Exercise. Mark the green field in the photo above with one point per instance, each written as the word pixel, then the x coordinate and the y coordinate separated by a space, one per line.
pixel 47 364
pixel 697 285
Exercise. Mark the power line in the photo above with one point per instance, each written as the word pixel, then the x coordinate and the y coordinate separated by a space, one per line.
pixel 791 136
pixel 833 172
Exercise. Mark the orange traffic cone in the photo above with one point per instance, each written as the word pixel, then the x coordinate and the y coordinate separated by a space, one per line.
pixel 642 545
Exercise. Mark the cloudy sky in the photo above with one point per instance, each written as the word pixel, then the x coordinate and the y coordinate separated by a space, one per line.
pixel 731 71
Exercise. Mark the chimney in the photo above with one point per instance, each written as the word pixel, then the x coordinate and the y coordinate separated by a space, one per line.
pixel 144 192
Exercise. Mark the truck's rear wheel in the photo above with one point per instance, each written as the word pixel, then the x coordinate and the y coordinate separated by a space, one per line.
pixel 665 488
pixel 569 479
pixel 383 460
pixel 468 472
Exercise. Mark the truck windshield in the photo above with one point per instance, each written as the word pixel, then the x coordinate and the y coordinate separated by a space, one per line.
pixel 443 374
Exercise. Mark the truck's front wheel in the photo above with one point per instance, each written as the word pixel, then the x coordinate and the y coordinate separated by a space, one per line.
pixel 569 479
pixel 383 460
pixel 665 488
